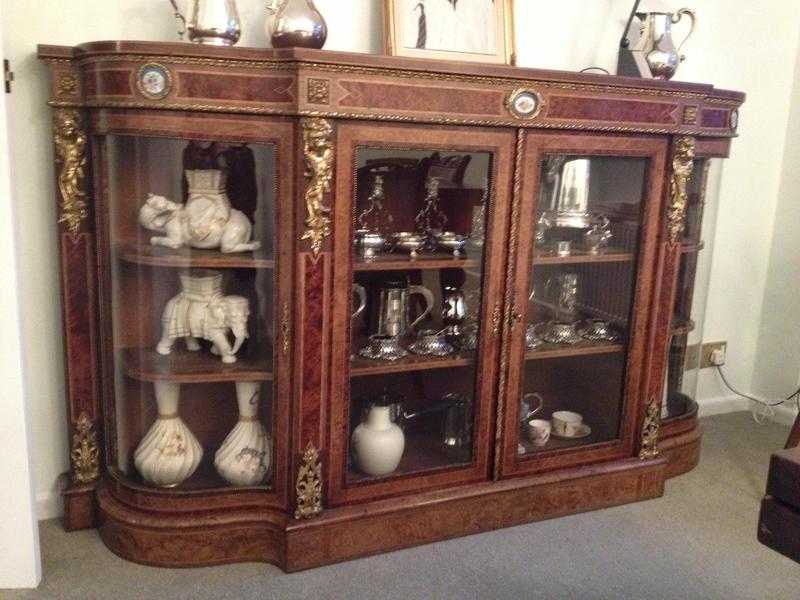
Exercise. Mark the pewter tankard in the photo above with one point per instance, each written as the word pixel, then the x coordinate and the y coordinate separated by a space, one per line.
pixel 656 43
pixel 394 314
pixel 213 22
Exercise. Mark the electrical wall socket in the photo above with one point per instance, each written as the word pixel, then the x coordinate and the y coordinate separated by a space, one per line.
pixel 708 348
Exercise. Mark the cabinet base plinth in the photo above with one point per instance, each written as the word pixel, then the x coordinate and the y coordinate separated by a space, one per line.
pixel 258 535
pixel 80 507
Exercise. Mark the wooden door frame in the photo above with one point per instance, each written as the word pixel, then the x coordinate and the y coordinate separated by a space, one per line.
pixel 501 144
pixel 532 148
pixel 278 132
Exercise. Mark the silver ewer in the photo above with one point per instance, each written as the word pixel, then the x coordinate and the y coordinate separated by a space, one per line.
pixel 296 23
pixel 212 22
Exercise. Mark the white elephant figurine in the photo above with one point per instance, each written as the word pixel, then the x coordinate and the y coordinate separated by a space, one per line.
pixel 206 221
pixel 201 311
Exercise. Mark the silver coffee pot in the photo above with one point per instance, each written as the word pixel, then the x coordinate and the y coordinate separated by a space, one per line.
pixel 296 23
pixel 213 22
pixel 655 51
pixel 394 313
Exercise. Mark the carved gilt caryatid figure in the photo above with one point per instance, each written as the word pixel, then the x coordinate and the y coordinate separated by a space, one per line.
pixel 70 145
pixel 318 152
pixel 682 164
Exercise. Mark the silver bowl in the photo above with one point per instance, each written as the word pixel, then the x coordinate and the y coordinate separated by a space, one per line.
pixel 383 347
pixel 557 332
pixel 532 340
pixel 597 330
pixel 431 343
pixel 451 241
pixel 409 242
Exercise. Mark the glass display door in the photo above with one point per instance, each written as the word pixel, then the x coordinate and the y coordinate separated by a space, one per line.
pixel 194 361
pixel 417 314
pixel 587 218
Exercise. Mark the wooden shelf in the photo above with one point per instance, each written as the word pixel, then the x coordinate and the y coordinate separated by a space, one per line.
pixel 555 443
pixel 361 367
pixel 584 348
pixel 425 261
pixel 203 479
pixel 423 452
pixel 184 258
pixel 579 257
pixel 182 366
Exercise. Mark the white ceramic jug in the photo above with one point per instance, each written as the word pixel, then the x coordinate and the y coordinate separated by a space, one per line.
pixel 378 443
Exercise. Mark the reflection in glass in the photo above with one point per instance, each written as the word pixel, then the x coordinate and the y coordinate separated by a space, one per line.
pixel 418 236
pixel 587 228
pixel 191 230
pixel 690 300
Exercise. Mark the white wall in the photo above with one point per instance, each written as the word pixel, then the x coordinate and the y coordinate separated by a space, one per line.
pixel 20 564
pixel 740 44
pixel 777 362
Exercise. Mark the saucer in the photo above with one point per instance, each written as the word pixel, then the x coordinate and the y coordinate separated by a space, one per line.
pixel 583 432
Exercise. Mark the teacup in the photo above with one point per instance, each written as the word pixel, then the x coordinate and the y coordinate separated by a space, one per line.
pixel 538 431
pixel 567 423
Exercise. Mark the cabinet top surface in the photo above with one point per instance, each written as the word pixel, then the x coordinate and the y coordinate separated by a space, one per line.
pixel 305 82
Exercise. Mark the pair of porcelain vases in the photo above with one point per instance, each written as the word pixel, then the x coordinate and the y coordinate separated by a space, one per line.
pixel 170 453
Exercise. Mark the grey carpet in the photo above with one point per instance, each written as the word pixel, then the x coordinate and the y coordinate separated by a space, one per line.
pixel 698 541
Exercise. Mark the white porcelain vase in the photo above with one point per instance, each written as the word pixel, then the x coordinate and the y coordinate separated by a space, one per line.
pixel 244 457
pixel 378 443
pixel 169 453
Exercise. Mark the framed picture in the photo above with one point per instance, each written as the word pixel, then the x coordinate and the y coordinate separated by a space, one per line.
pixel 468 30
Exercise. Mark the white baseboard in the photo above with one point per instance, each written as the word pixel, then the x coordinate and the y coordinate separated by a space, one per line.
pixel 785 415
pixel 48 505
pixel 722 405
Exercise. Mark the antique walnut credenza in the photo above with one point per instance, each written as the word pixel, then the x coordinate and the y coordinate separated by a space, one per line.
pixel 574 202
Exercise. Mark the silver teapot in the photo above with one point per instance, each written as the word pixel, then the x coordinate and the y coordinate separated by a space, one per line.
pixel 213 22
pixel 655 44
pixel 296 23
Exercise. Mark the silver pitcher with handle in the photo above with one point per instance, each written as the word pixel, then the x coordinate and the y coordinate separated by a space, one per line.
pixel 394 313
pixel 655 45
pixel 213 22
pixel 296 23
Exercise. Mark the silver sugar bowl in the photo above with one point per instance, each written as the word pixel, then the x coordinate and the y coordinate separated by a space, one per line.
pixel 452 242
pixel 409 242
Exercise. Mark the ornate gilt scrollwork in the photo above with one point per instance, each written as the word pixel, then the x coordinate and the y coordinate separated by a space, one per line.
pixel 309 485
pixel 85 455
pixel 286 328
pixel 682 163
pixel 652 423
pixel 318 152
pixel 70 143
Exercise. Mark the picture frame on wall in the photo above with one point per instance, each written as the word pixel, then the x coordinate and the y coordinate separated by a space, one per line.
pixel 462 30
